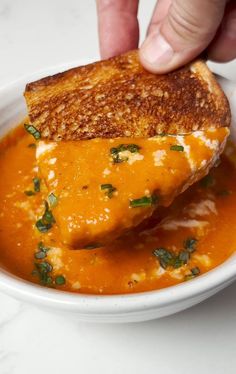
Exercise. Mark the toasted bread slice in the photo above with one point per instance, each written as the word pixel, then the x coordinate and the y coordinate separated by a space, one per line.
pixel 118 98
pixel 104 187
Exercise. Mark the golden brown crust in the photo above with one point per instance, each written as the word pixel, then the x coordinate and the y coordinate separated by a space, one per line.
pixel 117 97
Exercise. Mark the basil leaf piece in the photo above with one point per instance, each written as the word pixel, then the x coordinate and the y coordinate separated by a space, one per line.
pixel 53 200
pixel 109 189
pixel 115 152
pixel 165 257
pixel 42 251
pixel 194 273
pixel 43 226
pixel 33 131
pixel 29 193
pixel 45 223
pixel 36 182
pixel 190 244
pixel 144 201
pixel 170 259
pixel 42 270
pixel 60 280
pixel 178 148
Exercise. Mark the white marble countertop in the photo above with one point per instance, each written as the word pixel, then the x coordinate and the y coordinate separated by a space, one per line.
pixel 35 35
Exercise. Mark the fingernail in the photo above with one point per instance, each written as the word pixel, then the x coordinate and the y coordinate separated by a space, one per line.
pixel 156 50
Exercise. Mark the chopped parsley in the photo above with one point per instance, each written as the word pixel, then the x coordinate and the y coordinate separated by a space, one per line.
pixel 40 255
pixel 60 280
pixel 53 200
pixel 144 201
pixel 42 251
pixel 42 270
pixel 176 147
pixel 36 182
pixel 165 257
pixel 33 131
pixel 169 259
pixel 31 145
pixel 109 189
pixel 45 223
pixel 194 273
pixel 29 193
pixel 184 257
pixel 190 244
pixel 115 152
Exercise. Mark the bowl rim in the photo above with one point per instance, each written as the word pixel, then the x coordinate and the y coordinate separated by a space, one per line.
pixel 119 303
pixel 90 304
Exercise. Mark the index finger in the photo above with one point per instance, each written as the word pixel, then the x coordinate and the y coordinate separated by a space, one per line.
pixel 117 26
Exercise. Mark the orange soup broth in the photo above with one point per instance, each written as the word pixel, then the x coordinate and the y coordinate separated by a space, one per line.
pixel 206 212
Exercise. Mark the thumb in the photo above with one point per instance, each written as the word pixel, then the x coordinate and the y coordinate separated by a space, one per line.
pixel 181 34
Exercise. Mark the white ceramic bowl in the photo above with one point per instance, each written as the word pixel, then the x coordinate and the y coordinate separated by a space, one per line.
pixel 117 308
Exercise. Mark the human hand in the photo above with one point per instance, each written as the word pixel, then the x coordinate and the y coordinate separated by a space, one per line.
pixel 178 32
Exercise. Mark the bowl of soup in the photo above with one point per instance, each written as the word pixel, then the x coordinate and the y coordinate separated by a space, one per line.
pixel 180 256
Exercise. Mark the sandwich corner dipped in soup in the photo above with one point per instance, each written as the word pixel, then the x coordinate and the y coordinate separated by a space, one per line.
pixel 119 171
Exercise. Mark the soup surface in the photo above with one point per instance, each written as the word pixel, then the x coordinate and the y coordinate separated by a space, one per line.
pixel 193 235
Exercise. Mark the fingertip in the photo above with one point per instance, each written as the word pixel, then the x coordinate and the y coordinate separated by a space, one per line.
pixel 117 26
pixel 158 56
pixel 156 53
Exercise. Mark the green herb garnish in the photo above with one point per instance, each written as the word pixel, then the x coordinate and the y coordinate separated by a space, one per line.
pixel 42 271
pixel 144 201
pixel 43 226
pixel 207 181
pixel 190 244
pixel 53 200
pixel 36 182
pixel 40 255
pixel 168 258
pixel 60 280
pixel 31 145
pixel 29 193
pixel 133 148
pixel 115 152
pixel 109 189
pixel 194 273
pixel 178 148
pixel 45 223
pixel 184 257
pixel 33 131
pixel 44 268
pixel 42 251
pixel 165 257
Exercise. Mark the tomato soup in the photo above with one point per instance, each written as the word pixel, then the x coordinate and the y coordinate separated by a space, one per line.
pixel 176 244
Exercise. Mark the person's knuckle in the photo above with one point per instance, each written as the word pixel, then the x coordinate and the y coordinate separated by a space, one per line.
pixel 186 25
